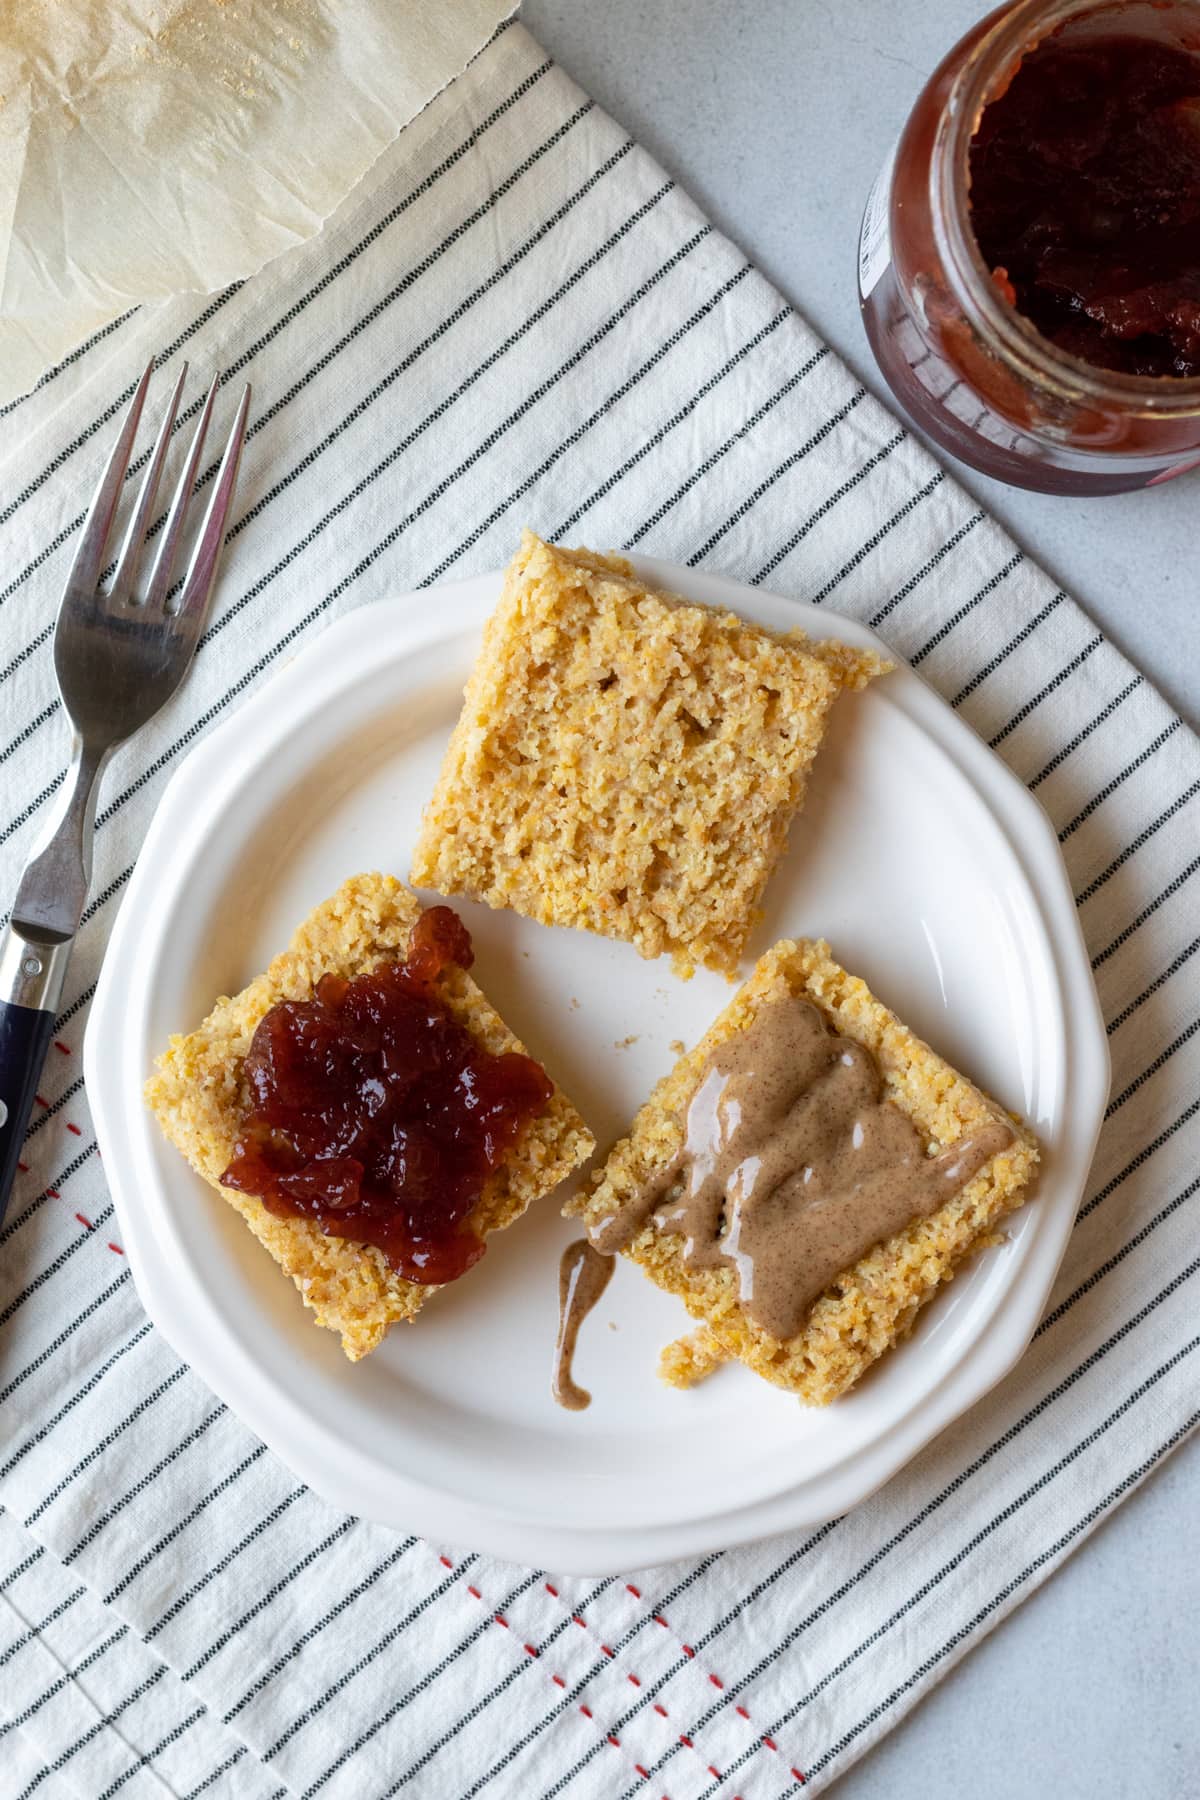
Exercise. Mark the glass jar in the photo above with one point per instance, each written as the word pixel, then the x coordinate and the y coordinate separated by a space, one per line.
pixel 974 374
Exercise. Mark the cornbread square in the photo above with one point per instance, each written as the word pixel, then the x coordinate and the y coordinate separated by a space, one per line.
pixel 626 761
pixel 198 1095
pixel 875 1303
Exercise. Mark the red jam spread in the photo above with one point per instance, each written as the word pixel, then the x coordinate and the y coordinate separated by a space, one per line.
pixel 1085 200
pixel 375 1114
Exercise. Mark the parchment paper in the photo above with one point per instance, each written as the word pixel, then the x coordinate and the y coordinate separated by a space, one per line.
pixel 150 147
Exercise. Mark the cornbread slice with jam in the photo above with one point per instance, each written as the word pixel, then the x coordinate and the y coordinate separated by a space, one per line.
pixel 626 761
pixel 200 1096
pixel 872 1302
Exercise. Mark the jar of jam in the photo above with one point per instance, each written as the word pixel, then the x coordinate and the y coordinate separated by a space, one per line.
pixel 1029 266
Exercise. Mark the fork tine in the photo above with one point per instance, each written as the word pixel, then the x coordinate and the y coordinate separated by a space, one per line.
pixel 202 570
pixel 164 562
pixel 89 557
pixel 122 584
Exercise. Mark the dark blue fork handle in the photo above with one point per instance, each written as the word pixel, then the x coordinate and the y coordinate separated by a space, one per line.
pixel 25 1036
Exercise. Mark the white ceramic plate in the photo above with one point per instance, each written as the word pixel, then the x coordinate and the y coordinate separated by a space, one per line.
pixel 927 865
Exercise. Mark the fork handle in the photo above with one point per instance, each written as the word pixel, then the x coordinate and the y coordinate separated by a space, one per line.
pixel 31 982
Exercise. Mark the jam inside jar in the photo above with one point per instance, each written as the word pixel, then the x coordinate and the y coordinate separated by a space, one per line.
pixel 1030 264
pixel 1085 200
pixel 373 1113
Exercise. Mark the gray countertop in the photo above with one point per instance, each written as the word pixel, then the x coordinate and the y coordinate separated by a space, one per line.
pixel 1090 1686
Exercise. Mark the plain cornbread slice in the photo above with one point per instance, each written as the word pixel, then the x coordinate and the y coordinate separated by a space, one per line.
pixel 626 761
pixel 198 1095
pixel 875 1303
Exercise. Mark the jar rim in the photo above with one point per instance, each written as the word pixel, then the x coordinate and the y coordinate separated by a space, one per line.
pixel 1015 32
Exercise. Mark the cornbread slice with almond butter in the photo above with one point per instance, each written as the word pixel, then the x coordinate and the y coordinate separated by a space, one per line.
pixel 626 761
pixel 199 1096
pixel 874 1303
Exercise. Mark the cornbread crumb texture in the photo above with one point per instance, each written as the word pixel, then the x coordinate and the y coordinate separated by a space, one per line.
pixel 876 1302
pixel 692 1359
pixel 628 762
pixel 198 1094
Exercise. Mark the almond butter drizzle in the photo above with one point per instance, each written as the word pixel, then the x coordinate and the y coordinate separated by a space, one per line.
pixel 583 1275
pixel 794 1165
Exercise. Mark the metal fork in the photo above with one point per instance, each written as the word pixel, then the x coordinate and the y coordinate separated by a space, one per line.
pixel 118 659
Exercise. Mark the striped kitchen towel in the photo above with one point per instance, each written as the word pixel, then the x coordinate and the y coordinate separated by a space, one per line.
pixel 517 318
